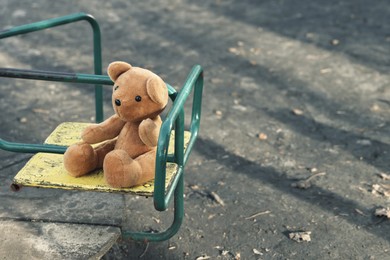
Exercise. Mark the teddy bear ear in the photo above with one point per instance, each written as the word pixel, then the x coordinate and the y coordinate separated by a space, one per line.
pixel 116 68
pixel 157 91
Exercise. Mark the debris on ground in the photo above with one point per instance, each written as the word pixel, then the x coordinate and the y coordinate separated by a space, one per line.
pixel 335 42
pixel 262 136
pixel 257 252
pixel 381 189
pixel 305 184
pixel 218 113
pixel 360 212
pixel 203 257
pixel 171 247
pixel 258 214
pixel 382 212
pixel 41 111
pixel 216 198
pixel 23 120
pixel 210 194
pixel 384 176
pixel 224 252
pixel 234 50
pixel 303 236
pixel 297 111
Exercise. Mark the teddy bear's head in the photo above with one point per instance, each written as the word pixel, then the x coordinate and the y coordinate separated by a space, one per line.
pixel 137 93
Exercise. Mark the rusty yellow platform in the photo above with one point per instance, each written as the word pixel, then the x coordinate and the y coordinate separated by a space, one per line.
pixel 47 171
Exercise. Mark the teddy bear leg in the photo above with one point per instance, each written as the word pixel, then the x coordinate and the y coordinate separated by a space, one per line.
pixel 121 171
pixel 79 159
pixel 147 162
pixel 102 150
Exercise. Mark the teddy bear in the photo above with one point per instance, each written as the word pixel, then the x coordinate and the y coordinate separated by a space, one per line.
pixel 127 152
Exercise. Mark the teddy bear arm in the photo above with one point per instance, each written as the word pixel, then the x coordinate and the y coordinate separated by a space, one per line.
pixel 108 129
pixel 149 131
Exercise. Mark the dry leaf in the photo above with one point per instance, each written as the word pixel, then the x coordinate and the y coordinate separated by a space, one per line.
pixel 381 189
pixel 258 214
pixel 156 220
pixel 224 252
pixel 216 197
pixel 300 236
pixel 360 212
pixel 382 212
pixel 335 42
pixel 203 257
pixel 257 252
pixel 41 111
pixel 297 112
pixel 384 176
pixel 218 112
pixel 234 50
pixel 262 136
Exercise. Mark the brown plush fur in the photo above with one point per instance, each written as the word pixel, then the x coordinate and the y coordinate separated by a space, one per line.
pixel 128 153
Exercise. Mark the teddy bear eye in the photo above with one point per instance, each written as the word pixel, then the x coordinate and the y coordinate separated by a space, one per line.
pixel 116 87
pixel 138 98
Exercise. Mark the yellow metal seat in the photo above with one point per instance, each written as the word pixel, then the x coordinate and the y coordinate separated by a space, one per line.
pixel 47 169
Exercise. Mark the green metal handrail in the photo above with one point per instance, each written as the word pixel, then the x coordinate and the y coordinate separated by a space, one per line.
pixel 97 50
pixel 175 119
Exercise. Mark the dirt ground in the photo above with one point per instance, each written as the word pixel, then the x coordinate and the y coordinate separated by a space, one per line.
pixel 295 120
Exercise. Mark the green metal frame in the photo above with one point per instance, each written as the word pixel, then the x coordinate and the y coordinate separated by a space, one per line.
pixel 174 120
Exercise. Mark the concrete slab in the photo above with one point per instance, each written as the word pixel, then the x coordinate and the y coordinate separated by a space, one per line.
pixel 37 240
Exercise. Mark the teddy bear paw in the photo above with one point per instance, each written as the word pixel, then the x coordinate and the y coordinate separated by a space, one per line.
pixel 80 159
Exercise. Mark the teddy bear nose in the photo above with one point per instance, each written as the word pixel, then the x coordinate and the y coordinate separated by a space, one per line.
pixel 117 102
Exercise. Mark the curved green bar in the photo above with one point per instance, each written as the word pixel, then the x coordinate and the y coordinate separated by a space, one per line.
pixel 177 219
pixel 31 148
pixel 175 118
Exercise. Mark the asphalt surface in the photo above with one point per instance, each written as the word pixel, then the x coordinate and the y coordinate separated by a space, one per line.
pixel 293 89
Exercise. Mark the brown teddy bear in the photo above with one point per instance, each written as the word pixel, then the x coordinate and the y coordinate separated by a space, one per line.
pixel 129 152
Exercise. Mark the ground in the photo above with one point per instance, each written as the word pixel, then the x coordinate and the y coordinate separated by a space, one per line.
pixel 293 89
